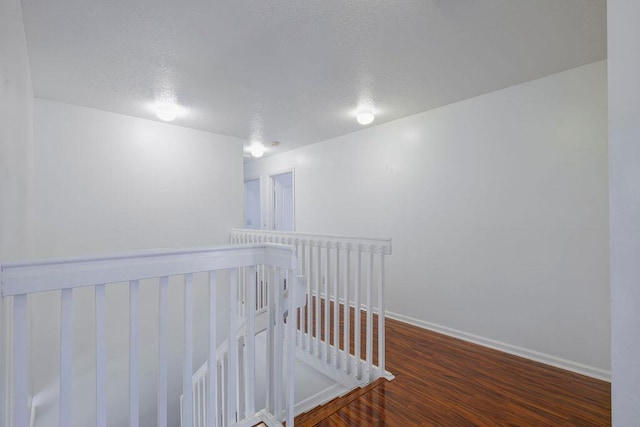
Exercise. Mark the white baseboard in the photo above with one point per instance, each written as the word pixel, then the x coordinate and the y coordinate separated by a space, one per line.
pixel 548 359
pixel 320 398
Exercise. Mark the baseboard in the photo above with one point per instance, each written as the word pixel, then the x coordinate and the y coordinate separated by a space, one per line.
pixel 548 359
pixel 320 398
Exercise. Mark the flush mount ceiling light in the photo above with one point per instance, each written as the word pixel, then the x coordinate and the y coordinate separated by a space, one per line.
pixel 365 117
pixel 257 150
pixel 167 112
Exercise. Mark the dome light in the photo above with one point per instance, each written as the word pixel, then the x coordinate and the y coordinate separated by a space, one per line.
pixel 167 112
pixel 365 117
pixel 257 150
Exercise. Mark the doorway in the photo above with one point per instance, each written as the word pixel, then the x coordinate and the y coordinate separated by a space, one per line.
pixel 282 211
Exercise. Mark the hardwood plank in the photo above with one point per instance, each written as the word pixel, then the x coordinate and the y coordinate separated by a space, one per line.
pixel 443 381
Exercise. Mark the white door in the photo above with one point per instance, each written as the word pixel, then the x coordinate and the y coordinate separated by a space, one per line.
pixel 282 202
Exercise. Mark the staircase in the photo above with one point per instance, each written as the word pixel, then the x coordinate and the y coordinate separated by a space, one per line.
pixel 263 320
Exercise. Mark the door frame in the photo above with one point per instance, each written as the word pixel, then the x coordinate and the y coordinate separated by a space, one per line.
pixel 270 190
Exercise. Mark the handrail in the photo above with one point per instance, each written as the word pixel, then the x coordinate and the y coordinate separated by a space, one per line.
pixel 290 237
pixel 41 275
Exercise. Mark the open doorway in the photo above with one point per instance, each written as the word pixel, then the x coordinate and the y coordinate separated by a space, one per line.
pixel 269 202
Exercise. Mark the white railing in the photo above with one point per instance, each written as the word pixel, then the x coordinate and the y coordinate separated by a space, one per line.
pixel 270 310
pixel 345 279
pixel 20 280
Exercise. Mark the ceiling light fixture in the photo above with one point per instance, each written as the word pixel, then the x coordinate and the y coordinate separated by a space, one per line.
pixel 257 150
pixel 365 117
pixel 167 112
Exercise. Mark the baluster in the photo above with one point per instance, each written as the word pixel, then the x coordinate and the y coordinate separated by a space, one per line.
pixel 308 306
pixel 327 302
pixel 20 362
pixel 212 364
pixel 292 328
pixel 299 332
pixel 312 312
pixel 381 315
pixel 101 358
pixel 356 316
pixel 162 352
pixel 224 375
pixel 251 347
pixel 347 309
pixel 66 356
pixel 318 313
pixel 278 342
pixel 268 270
pixel 232 388
pixel 369 354
pixel 187 371
pixel 134 353
pixel 336 310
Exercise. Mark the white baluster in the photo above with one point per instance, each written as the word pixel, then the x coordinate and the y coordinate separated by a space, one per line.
pixel 66 356
pixel 251 346
pixel 291 324
pixel 312 311
pixel 20 362
pixel 101 358
pixel 369 354
pixel 232 388
pixel 336 310
pixel 381 315
pixel 347 309
pixel 212 365
pixel 318 313
pixel 308 328
pixel 356 317
pixel 163 305
pixel 268 276
pixel 224 376
pixel 187 367
pixel 278 341
pixel 134 353
pixel 327 303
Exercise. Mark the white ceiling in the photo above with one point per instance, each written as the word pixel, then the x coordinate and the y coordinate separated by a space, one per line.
pixel 295 70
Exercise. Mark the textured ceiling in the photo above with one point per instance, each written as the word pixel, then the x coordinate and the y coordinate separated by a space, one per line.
pixel 295 70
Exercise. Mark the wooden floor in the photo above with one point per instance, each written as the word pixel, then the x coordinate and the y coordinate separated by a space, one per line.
pixel 443 381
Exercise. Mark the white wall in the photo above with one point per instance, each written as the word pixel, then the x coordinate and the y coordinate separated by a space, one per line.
pixel 624 173
pixel 16 131
pixel 108 183
pixel 16 141
pixel 497 207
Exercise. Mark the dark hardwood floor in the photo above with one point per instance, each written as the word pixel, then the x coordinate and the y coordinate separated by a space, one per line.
pixel 443 381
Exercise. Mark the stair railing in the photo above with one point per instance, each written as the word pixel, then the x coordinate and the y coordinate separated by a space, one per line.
pixel 342 328
pixel 19 281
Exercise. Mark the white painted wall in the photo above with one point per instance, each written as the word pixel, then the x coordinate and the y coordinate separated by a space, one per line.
pixel 497 207
pixel 624 188
pixel 16 131
pixel 252 204
pixel 16 143
pixel 108 183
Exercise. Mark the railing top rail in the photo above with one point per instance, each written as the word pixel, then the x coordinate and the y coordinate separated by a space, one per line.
pixel 352 240
pixel 40 275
